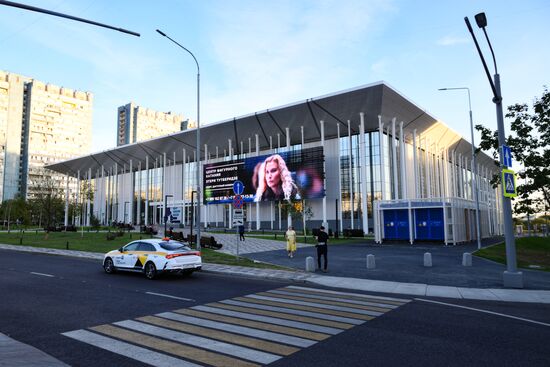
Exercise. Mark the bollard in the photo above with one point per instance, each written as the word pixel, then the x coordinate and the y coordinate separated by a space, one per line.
pixel 371 263
pixel 130 236
pixel 427 259
pixel 20 240
pixel 466 259
pixel 67 245
pixel 310 264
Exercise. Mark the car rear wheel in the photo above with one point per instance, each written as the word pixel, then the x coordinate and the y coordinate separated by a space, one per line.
pixel 187 272
pixel 108 266
pixel 150 270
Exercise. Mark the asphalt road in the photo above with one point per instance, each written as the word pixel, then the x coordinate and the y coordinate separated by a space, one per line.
pixel 44 296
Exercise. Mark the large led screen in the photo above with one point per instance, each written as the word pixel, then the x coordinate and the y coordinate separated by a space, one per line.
pixel 288 176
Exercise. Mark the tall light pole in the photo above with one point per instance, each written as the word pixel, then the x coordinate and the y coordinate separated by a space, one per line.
pixel 474 160
pixel 198 140
pixel 511 277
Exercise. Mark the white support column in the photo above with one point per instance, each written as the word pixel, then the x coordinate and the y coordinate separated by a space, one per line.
pixel 132 193
pixel 88 206
pixel 403 180
pixel 103 204
pixel 394 161
pixel 288 216
pixel 437 176
pixel 350 155
pixel 78 184
pixel 363 163
pixel 429 183
pixel 340 206
pixel 382 164
pixel 138 215
pixel 415 165
pixel 325 224
pixel 207 207
pixel 97 198
pixel 163 189
pixel 66 201
pixel 460 177
pixel 257 203
pixel 183 188
pixel 109 201
pixel 147 189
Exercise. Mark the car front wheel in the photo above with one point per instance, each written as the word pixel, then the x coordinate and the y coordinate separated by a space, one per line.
pixel 150 270
pixel 108 266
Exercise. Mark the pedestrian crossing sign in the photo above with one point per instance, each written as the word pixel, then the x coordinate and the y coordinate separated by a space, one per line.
pixel 509 182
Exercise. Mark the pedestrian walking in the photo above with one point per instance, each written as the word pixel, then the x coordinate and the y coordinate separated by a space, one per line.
pixel 322 248
pixel 290 236
pixel 241 233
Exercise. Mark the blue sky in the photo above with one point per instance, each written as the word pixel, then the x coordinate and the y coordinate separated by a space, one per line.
pixel 262 54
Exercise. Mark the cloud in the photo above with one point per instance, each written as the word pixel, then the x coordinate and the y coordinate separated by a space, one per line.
pixel 275 53
pixel 451 41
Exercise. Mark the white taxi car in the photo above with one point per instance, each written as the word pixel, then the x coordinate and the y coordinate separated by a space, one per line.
pixel 152 257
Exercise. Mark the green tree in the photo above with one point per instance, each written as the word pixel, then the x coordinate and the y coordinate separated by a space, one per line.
pixel 530 144
pixel 47 201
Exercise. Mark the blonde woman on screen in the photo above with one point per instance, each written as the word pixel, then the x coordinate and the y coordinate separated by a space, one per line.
pixel 275 181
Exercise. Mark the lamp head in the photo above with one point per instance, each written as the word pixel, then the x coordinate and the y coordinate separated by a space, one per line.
pixel 481 20
pixel 161 32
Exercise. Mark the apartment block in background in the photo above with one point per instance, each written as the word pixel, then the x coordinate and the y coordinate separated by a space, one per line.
pixel 40 124
pixel 136 123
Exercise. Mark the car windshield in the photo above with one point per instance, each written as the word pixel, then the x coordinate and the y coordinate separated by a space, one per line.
pixel 174 246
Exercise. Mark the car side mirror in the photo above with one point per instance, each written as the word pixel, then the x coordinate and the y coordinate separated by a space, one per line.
pixel 121 249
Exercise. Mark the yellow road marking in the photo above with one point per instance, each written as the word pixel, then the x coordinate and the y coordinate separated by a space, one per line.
pixel 325 302
pixel 355 298
pixel 177 349
pixel 307 308
pixel 255 324
pixel 221 335
pixel 280 315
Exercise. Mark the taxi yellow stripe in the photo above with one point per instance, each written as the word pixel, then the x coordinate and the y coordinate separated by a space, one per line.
pixel 177 349
pixel 325 302
pixel 221 335
pixel 280 315
pixel 256 324
pixel 355 298
pixel 306 308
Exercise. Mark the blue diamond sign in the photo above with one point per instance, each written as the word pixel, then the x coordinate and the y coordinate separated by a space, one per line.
pixel 509 182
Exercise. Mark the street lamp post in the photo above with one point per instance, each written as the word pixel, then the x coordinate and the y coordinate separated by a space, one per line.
pixel 166 215
pixel 511 277
pixel 474 160
pixel 198 151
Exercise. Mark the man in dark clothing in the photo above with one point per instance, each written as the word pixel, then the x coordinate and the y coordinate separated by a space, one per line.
pixel 322 248
pixel 241 233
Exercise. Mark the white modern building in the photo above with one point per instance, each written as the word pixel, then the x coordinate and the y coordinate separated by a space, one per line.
pixel 388 168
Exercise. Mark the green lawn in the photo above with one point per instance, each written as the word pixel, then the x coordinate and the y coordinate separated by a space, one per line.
pixel 530 251
pixel 97 242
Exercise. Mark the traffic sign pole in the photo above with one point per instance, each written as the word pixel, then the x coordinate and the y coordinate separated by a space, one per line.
pixel 511 277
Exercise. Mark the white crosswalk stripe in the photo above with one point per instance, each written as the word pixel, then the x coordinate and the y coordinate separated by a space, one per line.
pixel 128 350
pixel 294 312
pixel 247 331
pixel 267 335
pixel 313 304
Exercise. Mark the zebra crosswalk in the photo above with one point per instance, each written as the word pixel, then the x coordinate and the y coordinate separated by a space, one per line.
pixel 252 330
